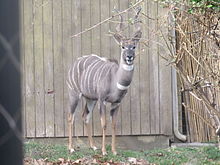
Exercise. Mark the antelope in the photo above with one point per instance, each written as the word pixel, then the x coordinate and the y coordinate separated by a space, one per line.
pixel 101 80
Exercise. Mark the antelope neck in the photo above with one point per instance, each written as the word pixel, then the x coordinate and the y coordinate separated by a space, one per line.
pixel 128 67
pixel 125 73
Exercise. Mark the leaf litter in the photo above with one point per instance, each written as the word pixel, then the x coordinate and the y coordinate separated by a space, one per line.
pixel 85 161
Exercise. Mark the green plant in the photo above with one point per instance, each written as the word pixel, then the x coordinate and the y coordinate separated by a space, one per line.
pixel 213 4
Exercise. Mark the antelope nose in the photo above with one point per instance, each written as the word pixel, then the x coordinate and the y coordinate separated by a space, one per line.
pixel 130 57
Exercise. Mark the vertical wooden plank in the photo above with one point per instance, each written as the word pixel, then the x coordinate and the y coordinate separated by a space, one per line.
pixel 48 67
pixel 58 68
pixel 125 104
pixel 105 40
pixel 77 52
pixel 154 64
pixel 104 52
pixel 165 78
pixel 39 68
pixel 145 74
pixel 135 95
pixel 86 37
pixel 96 41
pixel 24 130
pixel 115 54
pixel 29 67
pixel 67 55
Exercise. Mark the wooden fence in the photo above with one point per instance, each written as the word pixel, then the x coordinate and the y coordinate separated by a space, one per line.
pixel 48 52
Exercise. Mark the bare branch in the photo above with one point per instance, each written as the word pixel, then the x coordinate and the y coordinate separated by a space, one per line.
pixel 107 19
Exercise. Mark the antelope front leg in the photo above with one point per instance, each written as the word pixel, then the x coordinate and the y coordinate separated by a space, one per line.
pixel 103 124
pixel 113 114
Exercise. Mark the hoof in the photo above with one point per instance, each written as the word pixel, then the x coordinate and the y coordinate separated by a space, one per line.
pixel 94 148
pixel 104 153
pixel 71 150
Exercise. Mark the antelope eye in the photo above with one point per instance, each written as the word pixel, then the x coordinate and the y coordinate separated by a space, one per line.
pixel 123 47
pixel 134 47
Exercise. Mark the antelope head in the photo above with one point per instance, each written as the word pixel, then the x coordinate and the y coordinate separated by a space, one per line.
pixel 128 45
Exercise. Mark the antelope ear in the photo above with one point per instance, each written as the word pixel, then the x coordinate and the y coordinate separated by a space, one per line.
pixel 137 36
pixel 118 38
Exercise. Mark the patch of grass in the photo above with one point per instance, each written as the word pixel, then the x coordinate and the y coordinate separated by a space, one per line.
pixel 212 155
pixel 53 152
pixel 166 156
pixel 190 155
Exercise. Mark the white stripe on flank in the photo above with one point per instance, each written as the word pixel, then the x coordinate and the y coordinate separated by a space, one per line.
pixel 122 87
pixel 84 64
pixel 101 71
pixel 128 67
pixel 86 74
pixel 73 78
pixel 68 84
pixel 69 80
pixel 95 76
pixel 78 68
pixel 89 88
pixel 110 67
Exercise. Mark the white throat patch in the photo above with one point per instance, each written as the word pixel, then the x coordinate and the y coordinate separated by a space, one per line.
pixel 128 67
pixel 122 87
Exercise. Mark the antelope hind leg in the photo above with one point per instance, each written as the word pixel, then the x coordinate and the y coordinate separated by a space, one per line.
pixel 74 98
pixel 103 124
pixel 90 104
pixel 70 130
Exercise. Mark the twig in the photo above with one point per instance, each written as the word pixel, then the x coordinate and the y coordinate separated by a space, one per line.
pixel 196 113
pixel 145 15
pixel 106 20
